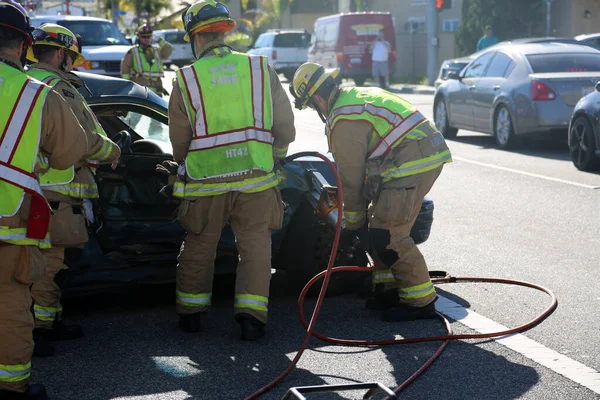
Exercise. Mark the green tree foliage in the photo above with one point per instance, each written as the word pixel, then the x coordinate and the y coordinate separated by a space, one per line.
pixel 510 19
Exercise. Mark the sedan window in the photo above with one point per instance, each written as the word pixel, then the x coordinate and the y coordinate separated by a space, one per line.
pixel 564 62
pixel 477 68
pixel 499 66
pixel 147 127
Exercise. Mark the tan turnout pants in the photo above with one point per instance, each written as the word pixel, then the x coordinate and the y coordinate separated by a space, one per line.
pixel 396 210
pixel 19 268
pixel 252 217
pixel 46 293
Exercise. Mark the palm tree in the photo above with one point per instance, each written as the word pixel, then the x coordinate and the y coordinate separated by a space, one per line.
pixel 271 12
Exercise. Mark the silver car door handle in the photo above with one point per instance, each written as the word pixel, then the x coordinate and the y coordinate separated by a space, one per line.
pixel 497 87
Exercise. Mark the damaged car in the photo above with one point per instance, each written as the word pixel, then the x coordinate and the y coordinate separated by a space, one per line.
pixel 134 236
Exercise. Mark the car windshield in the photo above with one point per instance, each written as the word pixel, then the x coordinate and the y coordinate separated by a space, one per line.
pixel 96 33
pixel 292 40
pixel 175 37
pixel 564 62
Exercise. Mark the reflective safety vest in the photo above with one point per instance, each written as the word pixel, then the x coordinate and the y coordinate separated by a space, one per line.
pixel 61 181
pixel 142 67
pixel 20 125
pixel 228 102
pixel 395 120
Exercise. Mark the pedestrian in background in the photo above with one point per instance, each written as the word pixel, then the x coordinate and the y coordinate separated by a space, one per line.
pixel 380 51
pixel 488 39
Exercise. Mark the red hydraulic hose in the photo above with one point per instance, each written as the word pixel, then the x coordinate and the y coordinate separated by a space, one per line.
pixel 326 275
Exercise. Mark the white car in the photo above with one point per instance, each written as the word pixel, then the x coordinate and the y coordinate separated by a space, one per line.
pixel 103 45
pixel 286 50
pixel 182 50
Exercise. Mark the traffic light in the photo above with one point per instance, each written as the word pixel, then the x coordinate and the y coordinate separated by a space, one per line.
pixel 443 4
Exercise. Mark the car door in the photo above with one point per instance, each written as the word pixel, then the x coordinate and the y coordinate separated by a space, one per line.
pixel 487 89
pixel 131 213
pixel 460 98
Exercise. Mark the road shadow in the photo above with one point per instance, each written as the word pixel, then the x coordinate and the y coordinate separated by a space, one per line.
pixel 133 350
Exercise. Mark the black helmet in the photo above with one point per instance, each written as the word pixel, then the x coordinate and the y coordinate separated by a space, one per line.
pixel 15 22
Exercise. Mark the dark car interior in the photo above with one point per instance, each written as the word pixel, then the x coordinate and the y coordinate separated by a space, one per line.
pixel 130 199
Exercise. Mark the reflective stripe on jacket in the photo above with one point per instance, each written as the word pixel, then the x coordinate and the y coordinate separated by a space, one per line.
pixel 61 181
pixel 394 120
pixel 143 68
pixel 20 125
pixel 228 103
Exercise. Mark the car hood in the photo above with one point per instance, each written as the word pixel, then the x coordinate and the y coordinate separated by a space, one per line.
pixel 106 53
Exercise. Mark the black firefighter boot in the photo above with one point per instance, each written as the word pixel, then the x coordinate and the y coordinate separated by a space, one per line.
pixel 404 312
pixel 381 300
pixel 191 323
pixel 34 392
pixel 252 329
pixel 41 345
pixel 60 331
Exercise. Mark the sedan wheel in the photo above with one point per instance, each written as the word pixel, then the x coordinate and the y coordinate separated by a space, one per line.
pixel 582 145
pixel 503 128
pixel 440 116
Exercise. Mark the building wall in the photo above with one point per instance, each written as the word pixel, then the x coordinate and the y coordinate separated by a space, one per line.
pixel 568 17
pixel 579 23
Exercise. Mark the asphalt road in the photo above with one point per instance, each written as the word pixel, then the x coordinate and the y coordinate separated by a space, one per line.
pixel 527 215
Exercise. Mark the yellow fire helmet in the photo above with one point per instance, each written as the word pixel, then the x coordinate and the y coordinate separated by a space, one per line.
pixel 206 16
pixel 56 35
pixel 307 79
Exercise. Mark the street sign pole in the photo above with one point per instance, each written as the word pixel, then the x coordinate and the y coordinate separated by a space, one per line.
pixel 548 9
pixel 432 33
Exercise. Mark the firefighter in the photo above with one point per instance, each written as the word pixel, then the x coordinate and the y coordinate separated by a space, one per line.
pixel 143 62
pixel 388 154
pixel 55 51
pixel 35 123
pixel 229 121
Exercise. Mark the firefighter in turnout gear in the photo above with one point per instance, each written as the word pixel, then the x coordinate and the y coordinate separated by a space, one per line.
pixel 390 155
pixel 35 123
pixel 229 121
pixel 55 51
pixel 143 63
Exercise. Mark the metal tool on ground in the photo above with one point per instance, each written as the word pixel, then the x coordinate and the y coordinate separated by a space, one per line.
pixel 332 207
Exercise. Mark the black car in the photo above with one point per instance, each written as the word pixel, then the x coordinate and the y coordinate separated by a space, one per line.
pixel 584 132
pixel 135 237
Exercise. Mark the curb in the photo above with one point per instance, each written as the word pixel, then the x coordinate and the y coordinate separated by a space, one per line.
pixel 406 90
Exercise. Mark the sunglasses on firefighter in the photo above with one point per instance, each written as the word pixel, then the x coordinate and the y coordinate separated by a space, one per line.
pixel 204 14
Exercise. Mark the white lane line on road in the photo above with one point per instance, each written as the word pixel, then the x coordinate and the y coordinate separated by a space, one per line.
pixel 553 360
pixel 516 171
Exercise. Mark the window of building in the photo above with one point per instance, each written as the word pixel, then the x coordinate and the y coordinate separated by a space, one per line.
pixel 415 24
pixel 450 25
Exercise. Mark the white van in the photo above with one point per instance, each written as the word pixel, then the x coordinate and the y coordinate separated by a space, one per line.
pixel 182 50
pixel 103 45
pixel 286 50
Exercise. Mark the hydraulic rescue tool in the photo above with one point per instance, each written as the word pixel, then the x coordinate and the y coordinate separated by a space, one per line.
pixel 329 202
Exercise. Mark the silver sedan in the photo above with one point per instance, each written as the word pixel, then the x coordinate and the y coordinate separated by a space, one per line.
pixel 517 89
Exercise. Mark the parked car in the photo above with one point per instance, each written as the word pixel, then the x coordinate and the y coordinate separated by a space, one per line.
pixel 517 89
pixel 103 45
pixel 457 64
pixel 342 41
pixel 135 237
pixel 285 50
pixel 182 50
pixel 592 39
pixel 584 132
